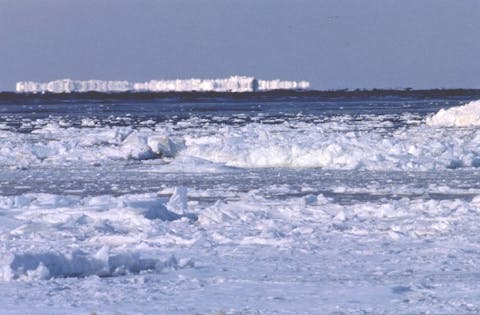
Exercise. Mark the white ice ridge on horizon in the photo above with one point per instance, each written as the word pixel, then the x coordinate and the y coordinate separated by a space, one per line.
pixel 231 84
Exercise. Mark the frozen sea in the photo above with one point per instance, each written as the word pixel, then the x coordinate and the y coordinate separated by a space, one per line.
pixel 251 203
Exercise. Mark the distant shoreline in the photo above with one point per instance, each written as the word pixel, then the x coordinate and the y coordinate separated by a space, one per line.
pixel 15 97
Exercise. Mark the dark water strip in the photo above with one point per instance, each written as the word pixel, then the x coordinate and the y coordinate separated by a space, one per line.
pixel 283 95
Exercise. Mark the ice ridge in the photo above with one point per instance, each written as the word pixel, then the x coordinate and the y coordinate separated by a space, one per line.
pixel 467 115
pixel 231 84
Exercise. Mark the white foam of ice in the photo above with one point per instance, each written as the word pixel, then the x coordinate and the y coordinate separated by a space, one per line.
pixel 460 116
pixel 231 84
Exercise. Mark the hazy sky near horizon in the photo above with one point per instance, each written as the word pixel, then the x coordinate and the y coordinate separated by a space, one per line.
pixel 333 44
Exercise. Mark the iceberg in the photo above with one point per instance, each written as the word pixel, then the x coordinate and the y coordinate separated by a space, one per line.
pixel 232 84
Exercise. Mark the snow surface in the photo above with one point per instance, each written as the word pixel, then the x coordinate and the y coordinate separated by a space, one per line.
pixel 231 84
pixel 232 213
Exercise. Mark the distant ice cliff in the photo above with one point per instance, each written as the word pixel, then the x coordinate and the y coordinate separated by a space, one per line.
pixel 231 84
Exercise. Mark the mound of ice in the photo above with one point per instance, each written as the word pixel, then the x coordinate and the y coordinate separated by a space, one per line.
pixel 231 84
pixel 92 144
pixel 162 145
pixel 322 146
pixel 55 236
pixel 461 116
pixel 52 264
pixel 178 201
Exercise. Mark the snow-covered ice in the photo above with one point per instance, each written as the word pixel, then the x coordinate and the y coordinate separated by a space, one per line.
pixel 336 144
pixel 461 116
pixel 291 208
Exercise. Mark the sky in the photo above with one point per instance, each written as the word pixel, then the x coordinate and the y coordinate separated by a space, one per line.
pixel 333 44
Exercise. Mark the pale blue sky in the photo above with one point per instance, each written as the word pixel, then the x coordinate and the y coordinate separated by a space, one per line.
pixel 332 44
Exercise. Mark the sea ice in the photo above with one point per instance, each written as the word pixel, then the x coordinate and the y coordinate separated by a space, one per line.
pixel 460 116
pixel 263 213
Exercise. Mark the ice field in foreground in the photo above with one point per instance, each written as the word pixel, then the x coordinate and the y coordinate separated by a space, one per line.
pixel 277 207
